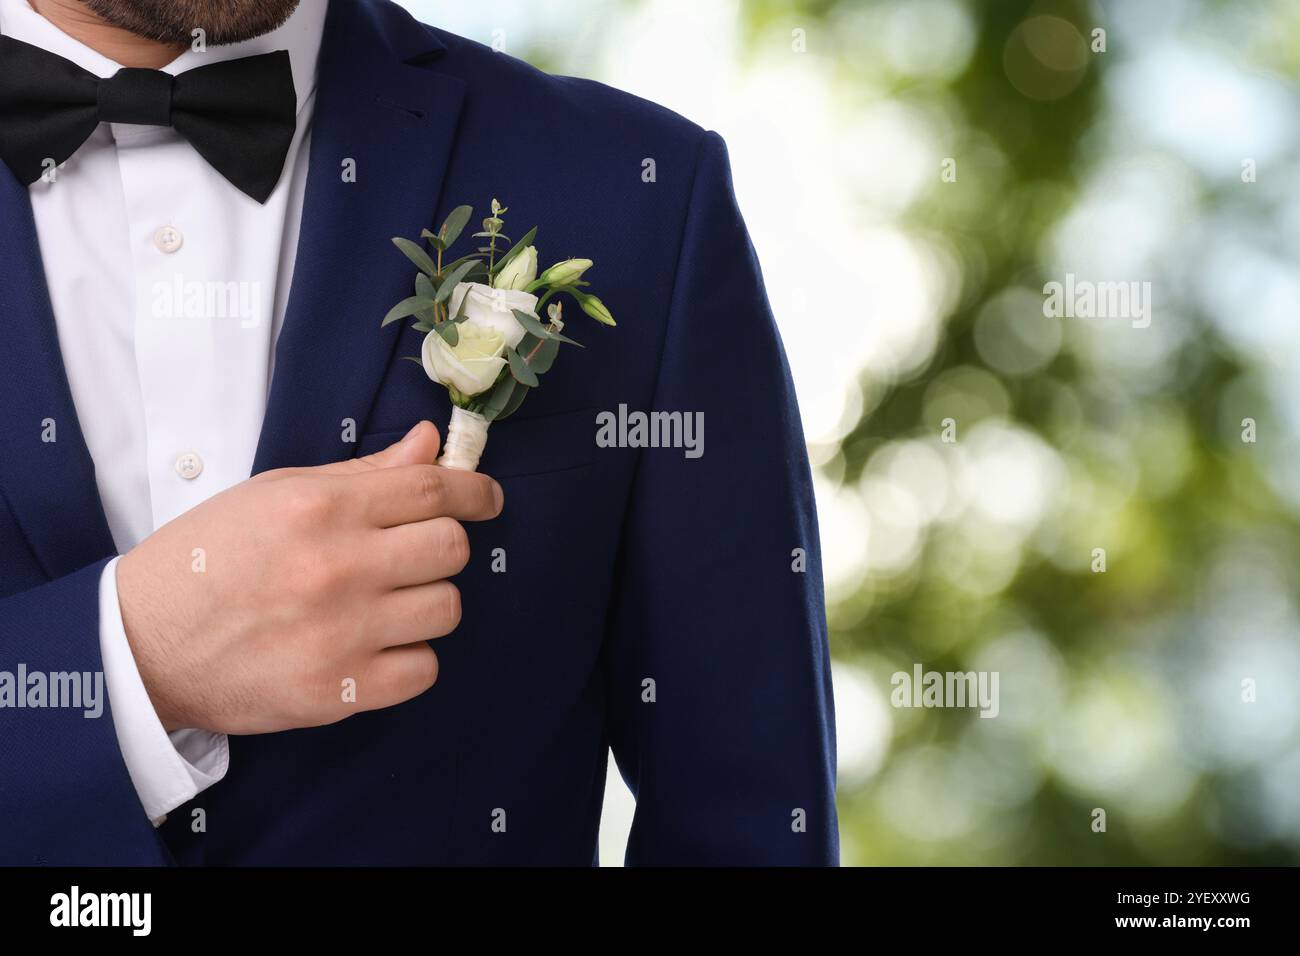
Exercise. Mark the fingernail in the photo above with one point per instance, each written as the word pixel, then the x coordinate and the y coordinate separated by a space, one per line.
pixel 498 496
pixel 413 430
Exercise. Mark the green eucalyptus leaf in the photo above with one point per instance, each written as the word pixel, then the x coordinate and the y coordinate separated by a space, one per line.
pixel 530 323
pixel 412 358
pixel 434 239
pixel 424 327
pixel 425 288
pixel 516 399
pixel 540 361
pixel 404 308
pixel 450 334
pixel 520 370
pixel 417 255
pixel 499 396
pixel 534 327
pixel 455 222
pixel 453 278
pixel 477 271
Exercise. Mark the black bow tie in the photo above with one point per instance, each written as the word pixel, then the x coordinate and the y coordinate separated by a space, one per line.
pixel 239 115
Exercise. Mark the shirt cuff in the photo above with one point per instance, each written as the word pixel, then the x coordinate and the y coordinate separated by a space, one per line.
pixel 166 769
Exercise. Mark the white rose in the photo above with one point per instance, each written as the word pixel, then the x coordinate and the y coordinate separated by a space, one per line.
pixel 491 308
pixel 472 364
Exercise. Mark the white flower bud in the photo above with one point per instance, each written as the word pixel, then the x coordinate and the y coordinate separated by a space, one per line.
pixel 519 271
pixel 566 272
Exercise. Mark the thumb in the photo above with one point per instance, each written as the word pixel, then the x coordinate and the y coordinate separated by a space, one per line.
pixel 419 447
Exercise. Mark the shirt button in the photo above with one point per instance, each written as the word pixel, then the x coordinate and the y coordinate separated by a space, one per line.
pixel 189 466
pixel 168 239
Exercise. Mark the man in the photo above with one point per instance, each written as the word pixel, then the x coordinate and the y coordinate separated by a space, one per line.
pixel 264 642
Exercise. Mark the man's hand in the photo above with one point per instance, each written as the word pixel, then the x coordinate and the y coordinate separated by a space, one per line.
pixel 310 576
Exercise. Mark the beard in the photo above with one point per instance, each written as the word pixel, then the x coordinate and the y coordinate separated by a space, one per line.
pixel 174 21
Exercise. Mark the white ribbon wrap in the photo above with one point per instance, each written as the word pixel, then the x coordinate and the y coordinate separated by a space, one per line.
pixel 466 438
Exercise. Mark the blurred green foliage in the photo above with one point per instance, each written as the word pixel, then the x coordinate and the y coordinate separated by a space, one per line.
pixel 1174 497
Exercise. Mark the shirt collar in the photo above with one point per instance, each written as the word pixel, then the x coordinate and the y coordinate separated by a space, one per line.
pixel 300 35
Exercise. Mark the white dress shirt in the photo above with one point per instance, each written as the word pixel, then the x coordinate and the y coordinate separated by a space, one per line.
pixel 169 287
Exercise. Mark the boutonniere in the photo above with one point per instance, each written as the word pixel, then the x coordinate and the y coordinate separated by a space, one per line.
pixel 485 341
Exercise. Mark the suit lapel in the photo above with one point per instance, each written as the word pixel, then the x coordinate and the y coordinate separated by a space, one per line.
pixel 49 485
pixel 378 106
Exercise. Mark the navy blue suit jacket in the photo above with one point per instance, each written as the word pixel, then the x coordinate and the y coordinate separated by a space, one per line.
pixel 623 565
